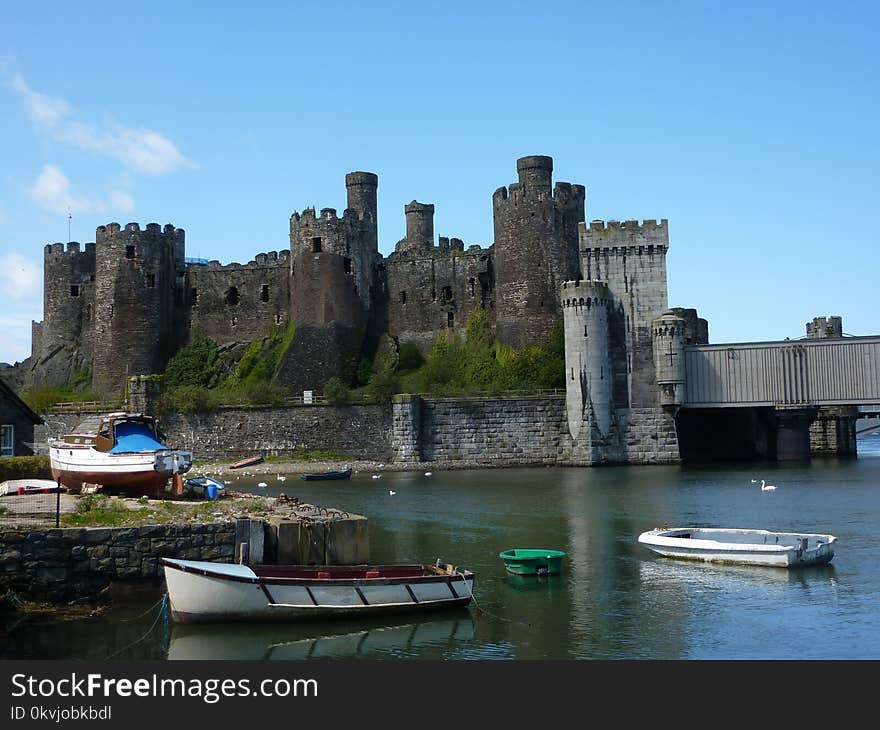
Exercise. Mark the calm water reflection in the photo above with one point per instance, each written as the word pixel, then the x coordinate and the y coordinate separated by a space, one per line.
pixel 614 600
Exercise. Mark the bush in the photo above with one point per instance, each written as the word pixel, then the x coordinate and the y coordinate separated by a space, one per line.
pixel 193 365
pixel 264 394
pixel 25 467
pixel 188 399
pixel 336 392
pixel 409 358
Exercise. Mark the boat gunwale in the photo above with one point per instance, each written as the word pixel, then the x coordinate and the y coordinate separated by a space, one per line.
pixel 278 580
pixel 663 538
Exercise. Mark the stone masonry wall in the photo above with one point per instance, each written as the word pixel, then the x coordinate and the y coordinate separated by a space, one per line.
pixel 77 563
pixel 361 431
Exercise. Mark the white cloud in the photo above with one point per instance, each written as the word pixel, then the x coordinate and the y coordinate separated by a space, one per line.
pixel 44 110
pixel 52 191
pixel 141 150
pixel 21 279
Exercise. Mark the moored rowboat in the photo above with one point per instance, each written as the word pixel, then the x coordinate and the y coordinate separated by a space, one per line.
pixel 740 546
pixel 324 475
pixel 203 591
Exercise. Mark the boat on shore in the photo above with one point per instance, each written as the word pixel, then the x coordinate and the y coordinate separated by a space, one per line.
pixel 249 461
pixel 325 475
pixel 122 453
pixel 204 591
pixel 204 486
pixel 22 487
pixel 740 546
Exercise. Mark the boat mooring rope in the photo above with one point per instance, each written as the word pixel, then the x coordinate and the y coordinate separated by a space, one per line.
pixel 149 610
pixel 480 609
pixel 163 602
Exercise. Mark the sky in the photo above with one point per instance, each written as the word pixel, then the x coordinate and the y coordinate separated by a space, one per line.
pixel 751 126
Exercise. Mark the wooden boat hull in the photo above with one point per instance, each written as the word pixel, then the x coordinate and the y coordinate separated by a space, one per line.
pixel 200 591
pixel 741 547
pixel 250 461
pixel 141 473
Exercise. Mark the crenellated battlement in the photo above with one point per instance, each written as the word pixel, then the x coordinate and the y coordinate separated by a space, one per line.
pixel 109 230
pixel 72 248
pixel 563 195
pixel 587 294
pixel 309 216
pixel 626 235
pixel 268 259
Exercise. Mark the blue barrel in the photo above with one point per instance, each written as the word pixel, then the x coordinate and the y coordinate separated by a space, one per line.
pixel 211 491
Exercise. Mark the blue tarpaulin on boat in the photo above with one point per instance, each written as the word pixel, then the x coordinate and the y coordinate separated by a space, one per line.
pixel 132 437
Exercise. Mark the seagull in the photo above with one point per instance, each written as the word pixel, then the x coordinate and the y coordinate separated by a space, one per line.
pixel 377 476
pixel 766 487
pixel 262 484
pixel 391 492
pixel 754 481
pixel 427 473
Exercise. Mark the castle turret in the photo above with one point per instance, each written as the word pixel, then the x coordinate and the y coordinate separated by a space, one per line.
pixel 361 188
pixel 588 375
pixel 669 366
pixel 536 249
pixel 419 227
pixel 822 328
pixel 135 325
pixel 63 344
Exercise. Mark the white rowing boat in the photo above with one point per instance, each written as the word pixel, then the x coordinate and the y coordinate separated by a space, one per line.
pixel 740 546
pixel 203 591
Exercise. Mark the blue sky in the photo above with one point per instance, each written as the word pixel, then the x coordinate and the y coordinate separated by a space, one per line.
pixel 750 126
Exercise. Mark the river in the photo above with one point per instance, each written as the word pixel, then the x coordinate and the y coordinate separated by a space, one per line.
pixel 614 600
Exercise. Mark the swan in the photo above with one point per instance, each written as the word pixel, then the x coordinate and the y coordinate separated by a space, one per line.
pixel 766 487
pixel 427 473
pixel 262 484
pixel 281 478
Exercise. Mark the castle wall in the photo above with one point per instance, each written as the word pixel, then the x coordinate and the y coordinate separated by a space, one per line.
pixel 536 249
pixel 135 293
pixel 238 303
pixel 436 289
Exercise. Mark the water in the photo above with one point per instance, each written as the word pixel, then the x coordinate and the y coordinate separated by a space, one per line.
pixel 614 599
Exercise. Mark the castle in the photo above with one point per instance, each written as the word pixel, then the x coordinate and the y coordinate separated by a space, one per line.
pixel 126 303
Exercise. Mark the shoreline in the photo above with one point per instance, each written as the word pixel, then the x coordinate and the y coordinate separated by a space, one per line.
pixel 357 465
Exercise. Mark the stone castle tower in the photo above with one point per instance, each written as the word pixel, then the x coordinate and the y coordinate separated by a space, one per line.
pixel 536 249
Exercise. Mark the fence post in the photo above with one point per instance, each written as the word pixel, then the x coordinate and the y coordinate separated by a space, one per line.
pixel 58 504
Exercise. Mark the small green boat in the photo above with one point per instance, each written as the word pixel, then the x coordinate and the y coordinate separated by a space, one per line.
pixel 525 561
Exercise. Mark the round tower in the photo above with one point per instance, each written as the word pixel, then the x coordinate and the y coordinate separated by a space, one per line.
pixel 361 188
pixel 134 301
pixel 419 227
pixel 536 249
pixel 668 332
pixel 536 172
pixel 588 377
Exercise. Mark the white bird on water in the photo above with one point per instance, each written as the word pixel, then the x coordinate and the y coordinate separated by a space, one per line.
pixel 766 487
pixel 391 492
pixel 262 484
pixel 281 477
pixel 427 473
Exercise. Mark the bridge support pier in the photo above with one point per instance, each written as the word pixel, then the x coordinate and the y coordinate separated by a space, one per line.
pixel 793 433
pixel 833 433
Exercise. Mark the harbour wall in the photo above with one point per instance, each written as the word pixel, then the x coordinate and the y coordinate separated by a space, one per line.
pixel 79 564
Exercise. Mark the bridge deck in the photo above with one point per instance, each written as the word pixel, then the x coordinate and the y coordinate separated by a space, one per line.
pixel 838 372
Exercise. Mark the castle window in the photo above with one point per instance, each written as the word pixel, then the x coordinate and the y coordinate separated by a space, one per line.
pixel 472 282
pixel 403 297
pixel 111 311
pixel 232 296
pixel 193 296
pixel 585 330
pixel 447 293
pixel 264 293
pixel 151 281
pixel 346 265
pixel 316 245
pixel 450 320
pixel 277 318
pixel 433 295
pixel 74 290
pixel 129 252
pixel 233 322
pixel 7 440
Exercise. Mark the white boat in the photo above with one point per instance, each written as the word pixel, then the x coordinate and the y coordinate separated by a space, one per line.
pixel 122 453
pixel 743 547
pixel 204 591
pixel 13 487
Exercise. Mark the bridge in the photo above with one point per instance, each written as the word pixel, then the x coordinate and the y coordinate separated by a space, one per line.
pixel 808 394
